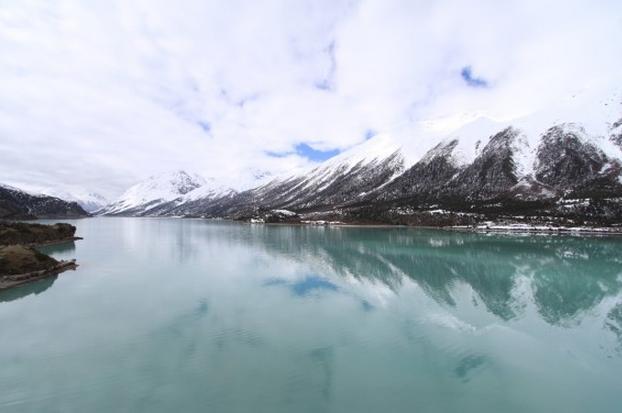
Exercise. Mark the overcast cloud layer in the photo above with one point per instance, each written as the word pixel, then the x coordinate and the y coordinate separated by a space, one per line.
pixel 100 94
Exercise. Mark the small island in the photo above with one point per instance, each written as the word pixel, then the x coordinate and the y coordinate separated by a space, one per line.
pixel 21 262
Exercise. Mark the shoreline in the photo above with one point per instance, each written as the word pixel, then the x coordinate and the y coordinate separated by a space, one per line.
pixel 22 256
pixel 53 242
pixel 539 230
pixel 487 227
pixel 498 229
pixel 10 281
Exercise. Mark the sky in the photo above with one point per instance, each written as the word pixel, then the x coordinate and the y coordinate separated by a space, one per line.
pixel 97 95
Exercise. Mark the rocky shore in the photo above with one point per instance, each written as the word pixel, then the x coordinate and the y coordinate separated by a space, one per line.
pixel 20 262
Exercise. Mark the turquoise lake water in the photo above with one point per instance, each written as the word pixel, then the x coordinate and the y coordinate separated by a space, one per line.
pixel 172 315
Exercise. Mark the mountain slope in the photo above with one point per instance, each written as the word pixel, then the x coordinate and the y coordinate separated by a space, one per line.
pixel 561 165
pixel 89 201
pixel 539 157
pixel 18 204
pixel 209 195
pixel 342 179
pixel 570 162
pixel 152 193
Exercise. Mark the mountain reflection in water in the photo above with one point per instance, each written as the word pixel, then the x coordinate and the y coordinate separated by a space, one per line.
pixel 565 276
pixel 195 315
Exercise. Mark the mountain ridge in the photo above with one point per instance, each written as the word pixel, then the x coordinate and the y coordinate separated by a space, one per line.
pixel 486 169
pixel 18 204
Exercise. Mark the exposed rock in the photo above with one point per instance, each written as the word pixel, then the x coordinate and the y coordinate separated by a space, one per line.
pixel 616 133
pixel 568 162
pixel 424 181
pixel 491 174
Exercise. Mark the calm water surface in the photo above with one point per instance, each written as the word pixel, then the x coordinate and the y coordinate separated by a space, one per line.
pixel 196 316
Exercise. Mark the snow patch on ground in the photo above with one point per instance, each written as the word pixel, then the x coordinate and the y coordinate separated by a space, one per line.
pixel 285 212
pixel 497 227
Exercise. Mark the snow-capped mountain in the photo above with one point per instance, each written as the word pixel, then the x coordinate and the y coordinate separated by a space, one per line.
pixel 486 160
pixel 565 164
pixel 343 178
pixel 565 169
pixel 155 191
pixel 89 201
pixel 18 204
pixel 192 203
pixel 339 180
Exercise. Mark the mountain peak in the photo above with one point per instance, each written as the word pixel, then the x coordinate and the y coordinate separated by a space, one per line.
pixel 154 191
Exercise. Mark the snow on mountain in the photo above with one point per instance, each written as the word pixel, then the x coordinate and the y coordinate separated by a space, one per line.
pixel 375 149
pixel 339 179
pixel 153 192
pixel 371 152
pixel 19 204
pixel 588 115
pixel 594 116
pixel 574 150
pixel 471 139
pixel 209 190
pixel 89 201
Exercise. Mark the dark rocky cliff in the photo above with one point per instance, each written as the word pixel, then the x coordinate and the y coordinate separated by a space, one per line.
pixel 575 167
pixel 16 204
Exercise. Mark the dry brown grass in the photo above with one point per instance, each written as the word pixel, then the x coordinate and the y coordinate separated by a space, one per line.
pixel 19 259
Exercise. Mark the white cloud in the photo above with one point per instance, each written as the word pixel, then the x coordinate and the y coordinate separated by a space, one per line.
pixel 101 94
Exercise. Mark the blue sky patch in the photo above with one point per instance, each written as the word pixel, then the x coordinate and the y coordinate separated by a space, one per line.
pixel 305 286
pixel 370 133
pixel 315 155
pixel 306 151
pixel 472 80
pixel 323 84
pixel 309 284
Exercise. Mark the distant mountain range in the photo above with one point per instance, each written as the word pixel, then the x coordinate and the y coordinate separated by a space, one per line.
pixel 538 168
pixel 563 168
pixel 89 201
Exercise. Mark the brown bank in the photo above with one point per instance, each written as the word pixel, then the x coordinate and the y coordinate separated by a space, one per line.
pixel 20 262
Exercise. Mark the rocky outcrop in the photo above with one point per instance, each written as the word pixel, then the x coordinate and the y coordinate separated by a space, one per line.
pixel 616 133
pixel 569 163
